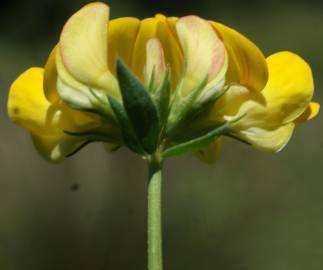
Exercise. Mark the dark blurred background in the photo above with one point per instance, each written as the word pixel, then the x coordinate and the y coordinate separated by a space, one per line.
pixel 249 211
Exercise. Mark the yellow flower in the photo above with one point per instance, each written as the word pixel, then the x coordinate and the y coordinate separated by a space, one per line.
pixel 212 66
pixel 270 116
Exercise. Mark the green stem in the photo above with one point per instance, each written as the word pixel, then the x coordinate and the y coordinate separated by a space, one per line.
pixel 155 252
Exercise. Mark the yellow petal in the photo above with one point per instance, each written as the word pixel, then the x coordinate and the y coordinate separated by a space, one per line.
pixel 204 52
pixel 231 103
pixel 311 111
pixel 29 108
pixel 27 105
pixel 83 47
pixel 171 21
pixel 269 115
pixel 147 30
pixel 211 153
pixel 268 140
pixel 171 46
pixel 50 78
pixel 75 93
pixel 287 93
pixel 247 64
pixel 56 148
pixel 69 89
pixel 121 41
pixel 157 27
pixel 155 62
pixel 290 87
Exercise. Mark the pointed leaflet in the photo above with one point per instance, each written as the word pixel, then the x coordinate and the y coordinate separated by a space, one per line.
pixel 196 144
pixel 204 52
pixel 128 136
pixel 140 109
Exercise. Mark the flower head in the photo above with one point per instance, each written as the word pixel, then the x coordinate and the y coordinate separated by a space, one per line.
pixel 167 85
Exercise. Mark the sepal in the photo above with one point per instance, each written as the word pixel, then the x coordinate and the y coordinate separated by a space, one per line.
pixel 181 106
pixel 140 108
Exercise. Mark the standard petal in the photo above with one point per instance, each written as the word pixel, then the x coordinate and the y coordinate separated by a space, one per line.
pixel 247 64
pixel 311 111
pixel 147 30
pixel 155 63
pixel 121 41
pixel 157 27
pixel 84 47
pixel 204 51
pixel 268 140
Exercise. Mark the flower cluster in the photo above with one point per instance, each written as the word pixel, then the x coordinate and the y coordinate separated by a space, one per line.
pixel 166 85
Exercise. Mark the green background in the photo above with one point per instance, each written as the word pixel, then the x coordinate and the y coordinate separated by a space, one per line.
pixel 249 211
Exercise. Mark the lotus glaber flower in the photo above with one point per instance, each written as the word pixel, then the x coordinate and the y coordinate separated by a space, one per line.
pixel 161 87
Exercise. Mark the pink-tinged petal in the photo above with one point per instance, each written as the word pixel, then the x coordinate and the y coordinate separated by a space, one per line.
pixel 157 27
pixel 84 47
pixel 204 51
pixel 155 63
